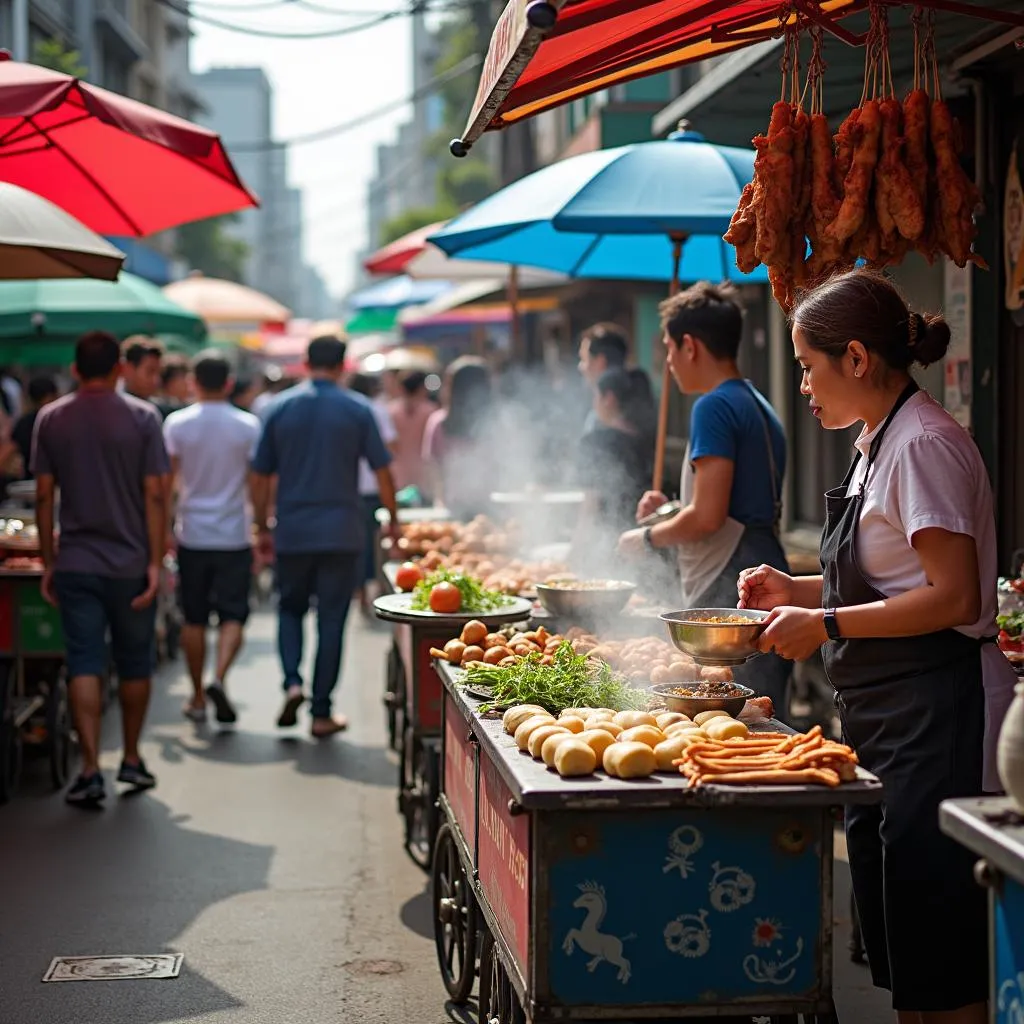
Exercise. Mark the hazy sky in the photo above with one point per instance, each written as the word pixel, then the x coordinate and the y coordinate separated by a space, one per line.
pixel 318 83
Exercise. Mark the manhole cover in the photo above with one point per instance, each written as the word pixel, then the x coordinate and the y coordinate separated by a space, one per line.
pixel 375 967
pixel 114 968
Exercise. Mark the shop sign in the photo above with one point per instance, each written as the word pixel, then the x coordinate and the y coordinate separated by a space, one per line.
pixel 958 368
pixel 1013 235
pixel 504 861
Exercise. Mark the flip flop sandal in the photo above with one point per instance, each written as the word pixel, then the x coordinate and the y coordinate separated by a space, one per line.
pixel 194 714
pixel 223 707
pixel 290 712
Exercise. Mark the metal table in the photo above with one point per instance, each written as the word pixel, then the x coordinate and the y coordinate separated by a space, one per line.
pixel 413 702
pixel 33 688
pixel 604 899
pixel 993 828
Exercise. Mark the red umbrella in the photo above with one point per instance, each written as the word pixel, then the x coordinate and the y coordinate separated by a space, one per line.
pixel 536 62
pixel 395 256
pixel 120 167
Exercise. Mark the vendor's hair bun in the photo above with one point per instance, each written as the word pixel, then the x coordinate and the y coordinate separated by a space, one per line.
pixel 864 305
pixel 932 338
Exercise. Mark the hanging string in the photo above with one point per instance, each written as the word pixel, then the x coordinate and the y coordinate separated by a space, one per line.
pixel 815 72
pixel 915 19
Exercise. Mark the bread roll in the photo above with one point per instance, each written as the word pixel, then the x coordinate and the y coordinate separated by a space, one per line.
pixel 629 760
pixel 527 727
pixel 538 736
pixel 649 734
pixel 573 758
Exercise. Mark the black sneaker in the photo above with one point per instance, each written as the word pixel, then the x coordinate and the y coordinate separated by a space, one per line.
pixel 223 707
pixel 88 791
pixel 136 775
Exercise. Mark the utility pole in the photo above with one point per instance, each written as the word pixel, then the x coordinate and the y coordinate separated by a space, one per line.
pixel 19 34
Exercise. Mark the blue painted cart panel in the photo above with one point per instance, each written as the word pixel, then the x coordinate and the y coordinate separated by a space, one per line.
pixel 1008 924
pixel 685 907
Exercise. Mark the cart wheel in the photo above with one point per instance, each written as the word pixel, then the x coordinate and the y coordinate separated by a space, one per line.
pixel 11 754
pixel 58 732
pixel 394 698
pixel 454 918
pixel 498 1001
pixel 418 798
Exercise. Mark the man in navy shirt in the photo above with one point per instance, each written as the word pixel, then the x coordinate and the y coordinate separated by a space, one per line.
pixel 313 438
pixel 731 486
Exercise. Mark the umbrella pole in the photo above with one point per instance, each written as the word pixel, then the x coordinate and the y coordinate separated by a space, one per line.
pixel 666 377
pixel 515 327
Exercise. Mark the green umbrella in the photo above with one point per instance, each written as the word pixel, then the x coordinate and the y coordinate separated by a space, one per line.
pixel 372 321
pixel 34 311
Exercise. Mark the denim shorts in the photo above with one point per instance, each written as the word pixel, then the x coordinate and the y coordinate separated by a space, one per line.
pixel 92 606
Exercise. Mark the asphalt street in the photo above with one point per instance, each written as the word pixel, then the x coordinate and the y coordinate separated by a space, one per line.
pixel 272 862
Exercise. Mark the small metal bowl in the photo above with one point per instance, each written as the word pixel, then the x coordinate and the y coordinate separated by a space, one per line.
pixel 715 643
pixel 691 706
pixel 662 514
pixel 570 602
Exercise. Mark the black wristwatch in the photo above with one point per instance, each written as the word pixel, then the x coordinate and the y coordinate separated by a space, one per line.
pixel 648 540
pixel 831 625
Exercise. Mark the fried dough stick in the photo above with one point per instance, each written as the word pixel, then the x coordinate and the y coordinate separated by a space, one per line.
pixel 957 197
pixel 857 186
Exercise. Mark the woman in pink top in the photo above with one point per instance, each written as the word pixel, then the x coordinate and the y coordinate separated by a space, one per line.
pixel 456 443
pixel 409 414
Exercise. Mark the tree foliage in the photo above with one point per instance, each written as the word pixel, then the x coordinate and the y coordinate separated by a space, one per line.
pixel 206 246
pixel 53 54
pixel 413 220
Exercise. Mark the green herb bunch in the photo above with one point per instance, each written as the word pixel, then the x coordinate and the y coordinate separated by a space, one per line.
pixel 572 681
pixel 474 597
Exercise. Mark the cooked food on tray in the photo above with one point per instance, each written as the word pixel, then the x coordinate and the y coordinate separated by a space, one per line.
pixel 766 759
pixel 720 620
pixel 708 689
pixel 714 747
pixel 570 583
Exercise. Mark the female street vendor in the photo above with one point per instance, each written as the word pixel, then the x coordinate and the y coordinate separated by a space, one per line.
pixel 732 475
pixel 903 614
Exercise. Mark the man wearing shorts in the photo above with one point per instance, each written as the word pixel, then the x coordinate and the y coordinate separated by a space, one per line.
pixel 105 452
pixel 211 444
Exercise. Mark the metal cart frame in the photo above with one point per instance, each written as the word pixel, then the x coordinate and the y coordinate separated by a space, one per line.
pixel 34 703
pixel 523 838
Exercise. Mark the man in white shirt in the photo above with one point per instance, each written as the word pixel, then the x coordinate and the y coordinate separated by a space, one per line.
pixel 211 445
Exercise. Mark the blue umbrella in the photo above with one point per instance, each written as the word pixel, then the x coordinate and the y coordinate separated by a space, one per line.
pixel 647 211
pixel 613 214
pixel 397 292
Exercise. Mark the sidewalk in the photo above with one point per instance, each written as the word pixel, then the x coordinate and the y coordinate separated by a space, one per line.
pixel 274 865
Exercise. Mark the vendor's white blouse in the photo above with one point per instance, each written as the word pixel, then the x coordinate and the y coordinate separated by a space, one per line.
pixel 929 473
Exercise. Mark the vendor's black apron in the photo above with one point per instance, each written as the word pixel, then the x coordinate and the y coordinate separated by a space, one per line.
pixel 913 709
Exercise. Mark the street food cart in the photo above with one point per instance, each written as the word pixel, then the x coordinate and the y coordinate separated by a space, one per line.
pixel 33 688
pixel 413 701
pixel 606 899
pixel 993 828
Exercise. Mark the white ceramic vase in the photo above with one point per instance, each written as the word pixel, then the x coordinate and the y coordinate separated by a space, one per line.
pixel 1010 752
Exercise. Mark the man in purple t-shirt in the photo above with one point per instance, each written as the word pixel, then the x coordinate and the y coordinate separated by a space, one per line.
pixel 105 452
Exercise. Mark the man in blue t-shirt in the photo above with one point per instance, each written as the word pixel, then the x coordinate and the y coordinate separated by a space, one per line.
pixel 731 486
pixel 313 438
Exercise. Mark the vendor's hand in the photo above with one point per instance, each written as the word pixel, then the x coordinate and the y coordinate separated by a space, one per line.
pixel 764 588
pixel 47 589
pixel 148 596
pixel 393 530
pixel 793 633
pixel 171 544
pixel 649 503
pixel 631 544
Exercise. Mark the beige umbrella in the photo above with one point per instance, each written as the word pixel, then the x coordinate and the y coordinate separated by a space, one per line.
pixel 225 302
pixel 39 240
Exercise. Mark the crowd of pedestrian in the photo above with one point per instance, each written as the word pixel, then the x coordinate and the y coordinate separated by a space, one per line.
pixel 150 455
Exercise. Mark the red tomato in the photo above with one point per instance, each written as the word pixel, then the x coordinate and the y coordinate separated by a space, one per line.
pixel 445 598
pixel 408 576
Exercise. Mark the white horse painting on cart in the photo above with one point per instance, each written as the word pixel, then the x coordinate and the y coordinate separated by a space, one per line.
pixel 600 946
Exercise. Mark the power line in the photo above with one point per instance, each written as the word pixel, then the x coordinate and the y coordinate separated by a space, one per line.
pixel 374 19
pixel 270 34
pixel 463 67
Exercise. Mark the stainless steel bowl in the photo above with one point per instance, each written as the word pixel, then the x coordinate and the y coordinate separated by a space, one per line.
pixel 715 643
pixel 691 706
pixel 574 603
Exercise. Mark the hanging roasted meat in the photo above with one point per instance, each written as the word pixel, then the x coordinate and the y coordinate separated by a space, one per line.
pixel 742 231
pixel 858 182
pixel 773 165
pixel 956 195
